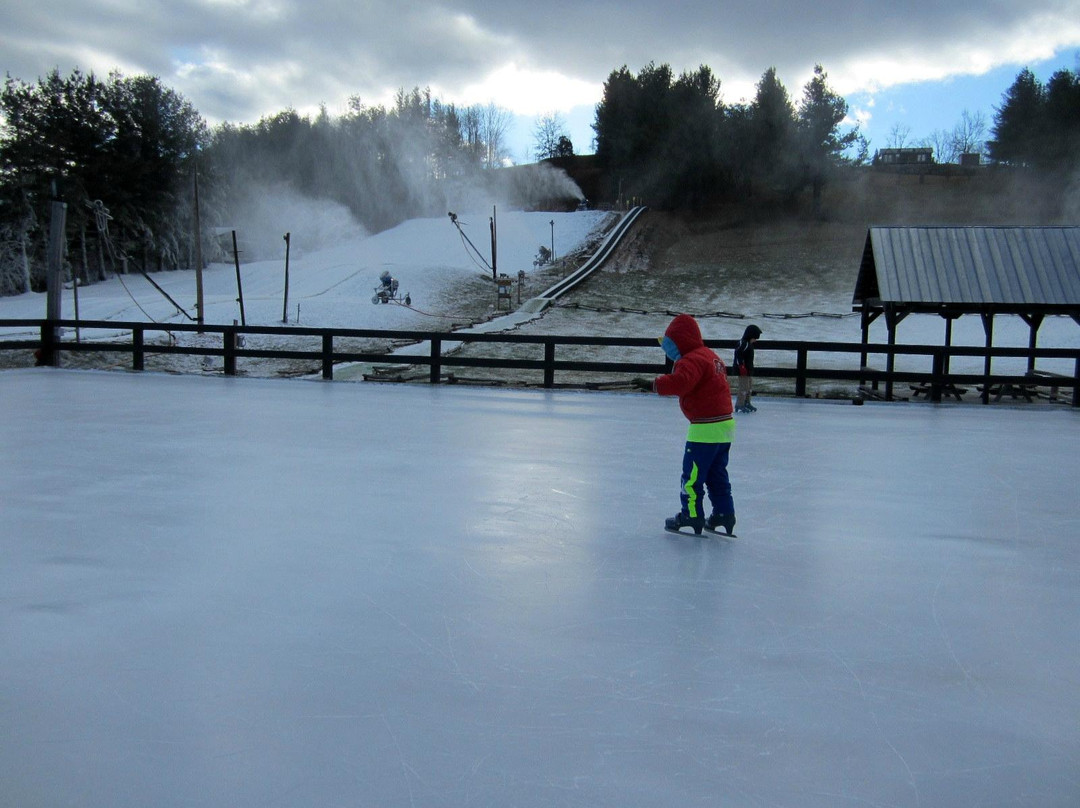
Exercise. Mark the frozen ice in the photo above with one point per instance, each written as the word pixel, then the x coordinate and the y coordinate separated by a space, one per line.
pixel 242 592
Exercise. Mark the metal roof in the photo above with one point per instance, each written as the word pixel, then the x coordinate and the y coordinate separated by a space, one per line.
pixel 1008 269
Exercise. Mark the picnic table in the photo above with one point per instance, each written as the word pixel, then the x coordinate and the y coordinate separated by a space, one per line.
pixel 946 390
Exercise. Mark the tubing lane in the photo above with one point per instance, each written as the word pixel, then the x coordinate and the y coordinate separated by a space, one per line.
pixel 599 258
pixel 530 310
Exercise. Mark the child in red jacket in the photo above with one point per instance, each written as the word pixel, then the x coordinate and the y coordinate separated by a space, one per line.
pixel 699 379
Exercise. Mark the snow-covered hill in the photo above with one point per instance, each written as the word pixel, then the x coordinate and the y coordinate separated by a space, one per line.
pixel 332 287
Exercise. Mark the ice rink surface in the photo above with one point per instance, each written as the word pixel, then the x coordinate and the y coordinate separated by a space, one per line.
pixel 238 592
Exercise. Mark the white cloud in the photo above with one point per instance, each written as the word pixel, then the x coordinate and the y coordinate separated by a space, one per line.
pixel 530 92
pixel 935 60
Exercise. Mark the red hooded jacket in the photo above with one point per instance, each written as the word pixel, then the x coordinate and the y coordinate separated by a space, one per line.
pixel 699 378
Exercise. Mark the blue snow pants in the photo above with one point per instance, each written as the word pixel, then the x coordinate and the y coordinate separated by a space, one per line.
pixel 705 469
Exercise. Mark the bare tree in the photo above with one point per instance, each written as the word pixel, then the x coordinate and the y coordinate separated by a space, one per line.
pixel 548 129
pixel 969 134
pixel 899 135
pixel 495 123
pixel 943 144
pixel 471 119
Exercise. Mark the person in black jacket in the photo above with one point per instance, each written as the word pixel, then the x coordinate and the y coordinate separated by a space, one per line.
pixel 744 367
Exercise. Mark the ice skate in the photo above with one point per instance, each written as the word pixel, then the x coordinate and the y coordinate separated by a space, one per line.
pixel 721 520
pixel 681 520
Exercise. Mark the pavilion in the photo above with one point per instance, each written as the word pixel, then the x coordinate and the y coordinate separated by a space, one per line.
pixel 1032 272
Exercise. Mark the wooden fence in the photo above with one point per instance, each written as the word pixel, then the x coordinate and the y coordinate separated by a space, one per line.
pixel 52 340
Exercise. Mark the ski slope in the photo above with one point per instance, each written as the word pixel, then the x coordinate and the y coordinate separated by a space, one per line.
pixel 332 286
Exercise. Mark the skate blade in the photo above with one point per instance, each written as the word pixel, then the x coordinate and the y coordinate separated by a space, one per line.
pixel 679 532
pixel 721 533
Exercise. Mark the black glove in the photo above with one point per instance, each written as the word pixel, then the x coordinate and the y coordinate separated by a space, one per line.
pixel 642 384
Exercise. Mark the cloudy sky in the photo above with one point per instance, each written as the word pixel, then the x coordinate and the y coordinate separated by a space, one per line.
pixel 918 64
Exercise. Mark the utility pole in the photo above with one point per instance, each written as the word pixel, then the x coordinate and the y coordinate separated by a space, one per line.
pixel 553 241
pixel 198 257
pixel 239 285
pixel 285 306
pixel 53 281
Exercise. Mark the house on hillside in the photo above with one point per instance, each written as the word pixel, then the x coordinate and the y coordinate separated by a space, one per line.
pixel 904 157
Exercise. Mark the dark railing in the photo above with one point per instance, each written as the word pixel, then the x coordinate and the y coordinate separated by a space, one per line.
pixel 935 381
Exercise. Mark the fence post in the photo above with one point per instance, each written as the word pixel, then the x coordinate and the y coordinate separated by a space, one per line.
pixel 138 356
pixel 938 370
pixel 800 377
pixel 328 357
pixel 435 375
pixel 1076 385
pixel 229 340
pixel 49 353
pixel 890 367
pixel 53 277
pixel 549 363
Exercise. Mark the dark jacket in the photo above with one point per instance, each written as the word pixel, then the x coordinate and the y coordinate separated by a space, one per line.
pixel 699 377
pixel 744 351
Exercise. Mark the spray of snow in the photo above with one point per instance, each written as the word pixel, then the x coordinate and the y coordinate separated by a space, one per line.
pixel 265 213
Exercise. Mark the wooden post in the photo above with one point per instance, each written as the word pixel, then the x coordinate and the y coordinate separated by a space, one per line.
pixel 800 378
pixel 435 374
pixel 549 364
pixel 138 355
pixel 890 360
pixel 867 318
pixel 1034 322
pixel 229 339
pixel 285 307
pixel 198 256
pixel 75 282
pixel 239 285
pixel 988 327
pixel 937 382
pixel 49 353
pixel 53 281
pixel 328 357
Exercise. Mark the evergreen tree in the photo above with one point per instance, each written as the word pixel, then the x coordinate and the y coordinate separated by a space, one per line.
pixel 123 142
pixel 1018 133
pixel 772 129
pixel 150 164
pixel 1062 121
pixel 735 149
pixel 615 121
pixel 689 159
pixel 822 145
pixel 634 126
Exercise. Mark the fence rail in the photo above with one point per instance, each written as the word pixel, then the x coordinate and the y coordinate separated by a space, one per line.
pixel 935 381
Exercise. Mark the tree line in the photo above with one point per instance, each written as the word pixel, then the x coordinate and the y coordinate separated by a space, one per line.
pixel 129 141
pixel 124 154
pixel 672 141
pixel 1038 125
